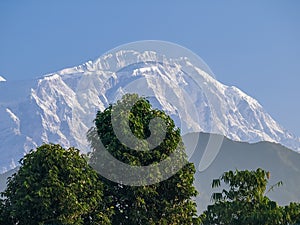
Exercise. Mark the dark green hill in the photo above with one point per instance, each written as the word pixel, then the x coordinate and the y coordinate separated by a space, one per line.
pixel 283 163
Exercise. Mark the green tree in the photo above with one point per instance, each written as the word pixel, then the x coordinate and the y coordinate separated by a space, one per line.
pixel 292 213
pixel 166 202
pixel 4 218
pixel 245 203
pixel 54 186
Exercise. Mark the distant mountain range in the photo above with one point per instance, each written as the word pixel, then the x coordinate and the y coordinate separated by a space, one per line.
pixel 60 107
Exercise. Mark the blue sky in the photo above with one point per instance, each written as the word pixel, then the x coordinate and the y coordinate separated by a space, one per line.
pixel 254 45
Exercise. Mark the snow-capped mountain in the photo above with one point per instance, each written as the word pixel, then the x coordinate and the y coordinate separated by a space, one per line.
pixel 2 79
pixel 60 107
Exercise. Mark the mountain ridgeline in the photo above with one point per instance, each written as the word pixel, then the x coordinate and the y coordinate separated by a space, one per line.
pixel 282 163
pixel 60 107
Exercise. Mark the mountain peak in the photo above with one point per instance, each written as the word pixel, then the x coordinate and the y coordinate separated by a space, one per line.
pixel 2 79
pixel 60 107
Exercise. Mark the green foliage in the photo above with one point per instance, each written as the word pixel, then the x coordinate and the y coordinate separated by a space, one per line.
pixel 292 213
pixel 167 202
pixel 4 217
pixel 244 203
pixel 54 186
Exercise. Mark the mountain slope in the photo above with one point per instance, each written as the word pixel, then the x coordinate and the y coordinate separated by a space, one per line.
pixel 282 163
pixel 60 107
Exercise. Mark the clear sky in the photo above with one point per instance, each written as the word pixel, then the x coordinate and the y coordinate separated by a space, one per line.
pixel 254 45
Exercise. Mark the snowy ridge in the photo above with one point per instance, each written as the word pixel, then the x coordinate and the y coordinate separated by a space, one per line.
pixel 2 79
pixel 60 107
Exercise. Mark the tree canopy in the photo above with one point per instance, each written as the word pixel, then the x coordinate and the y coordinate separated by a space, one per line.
pixel 54 186
pixel 166 202
pixel 245 203
pixel 57 186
